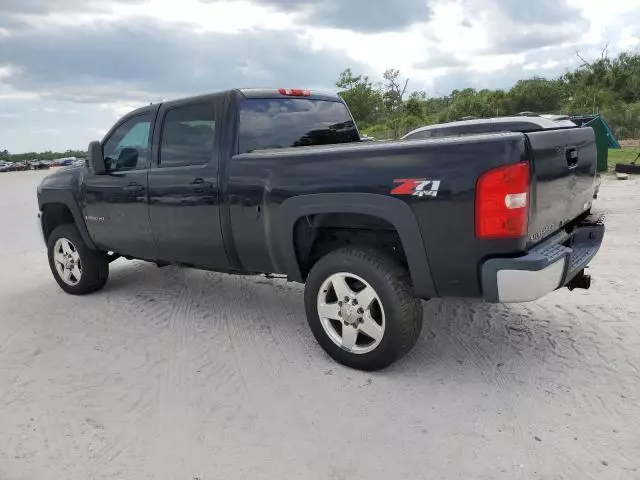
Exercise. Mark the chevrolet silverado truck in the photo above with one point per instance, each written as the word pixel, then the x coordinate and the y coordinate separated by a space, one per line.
pixel 280 182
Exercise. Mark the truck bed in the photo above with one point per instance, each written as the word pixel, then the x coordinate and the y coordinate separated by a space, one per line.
pixel 445 218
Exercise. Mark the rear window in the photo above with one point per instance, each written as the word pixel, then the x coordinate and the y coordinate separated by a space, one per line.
pixel 293 122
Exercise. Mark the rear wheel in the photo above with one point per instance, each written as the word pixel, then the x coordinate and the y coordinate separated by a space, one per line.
pixel 76 268
pixel 361 309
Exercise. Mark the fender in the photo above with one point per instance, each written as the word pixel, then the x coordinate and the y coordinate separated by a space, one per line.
pixel 67 199
pixel 394 211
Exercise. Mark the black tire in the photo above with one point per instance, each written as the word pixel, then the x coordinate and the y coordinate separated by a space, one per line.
pixel 390 280
pixel 94 264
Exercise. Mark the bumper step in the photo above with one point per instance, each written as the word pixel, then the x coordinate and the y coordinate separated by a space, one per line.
pixel 545 268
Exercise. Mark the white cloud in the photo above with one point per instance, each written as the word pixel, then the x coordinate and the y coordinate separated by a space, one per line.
pixel 19 96
pixel 538 66
pixel 6 71
pixel 629 38
pixel 118 109
pixel 604 18
pixel 223 16
pixel 167 48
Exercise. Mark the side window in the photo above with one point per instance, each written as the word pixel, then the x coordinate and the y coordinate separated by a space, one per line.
pixel 188 135
pixel 128 146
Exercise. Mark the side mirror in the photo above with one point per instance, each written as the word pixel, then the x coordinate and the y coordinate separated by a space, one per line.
pixel 96 158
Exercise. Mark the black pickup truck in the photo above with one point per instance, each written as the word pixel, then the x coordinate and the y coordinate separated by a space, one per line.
pixel 279 181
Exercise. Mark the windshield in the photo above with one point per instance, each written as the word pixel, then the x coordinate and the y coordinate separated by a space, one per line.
pixel 293 122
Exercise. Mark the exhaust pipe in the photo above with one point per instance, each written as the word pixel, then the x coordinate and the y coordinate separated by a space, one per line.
pixel 581 280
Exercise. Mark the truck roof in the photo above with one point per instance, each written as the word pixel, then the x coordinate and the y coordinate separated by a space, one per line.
pixel 275 93
pixel 247 93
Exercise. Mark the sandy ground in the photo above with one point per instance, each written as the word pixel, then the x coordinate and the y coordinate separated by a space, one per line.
pixel 179 374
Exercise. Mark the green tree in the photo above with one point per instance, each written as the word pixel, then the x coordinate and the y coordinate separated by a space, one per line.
pixel 415 105
pixel 610 86
pixel 467 103
pixel 536 95
pixel 363 99
pixel 393 98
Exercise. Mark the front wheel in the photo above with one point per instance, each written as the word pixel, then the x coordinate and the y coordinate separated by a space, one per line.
pixel 361 309
pixel 76 268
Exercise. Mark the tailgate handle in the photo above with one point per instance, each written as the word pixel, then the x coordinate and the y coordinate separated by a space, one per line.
pixel 571 154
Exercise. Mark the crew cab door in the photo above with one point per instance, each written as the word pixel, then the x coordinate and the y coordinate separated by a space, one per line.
pixel 115 203
pixel 183 183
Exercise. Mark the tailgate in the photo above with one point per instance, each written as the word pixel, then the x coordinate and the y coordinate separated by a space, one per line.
pixel 563 175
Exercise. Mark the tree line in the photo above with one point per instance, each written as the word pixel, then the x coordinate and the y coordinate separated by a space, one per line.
pixel 48 155
pixel 606 86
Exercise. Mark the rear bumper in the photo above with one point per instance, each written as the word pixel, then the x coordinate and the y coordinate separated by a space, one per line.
pixel 545 268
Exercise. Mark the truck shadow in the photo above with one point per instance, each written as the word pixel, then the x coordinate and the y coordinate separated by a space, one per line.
pixel 505 343
pixel 264 318
pixel 486 340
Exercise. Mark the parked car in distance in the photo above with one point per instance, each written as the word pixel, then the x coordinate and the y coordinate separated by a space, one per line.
pixel 39 165
pixel 278 181
pixel 64 162
pixel 18 166
pixel 11 166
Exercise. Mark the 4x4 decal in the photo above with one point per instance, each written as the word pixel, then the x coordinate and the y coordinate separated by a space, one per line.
pixel 418 187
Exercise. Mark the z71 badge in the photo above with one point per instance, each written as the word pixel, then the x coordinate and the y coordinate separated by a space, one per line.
pixel 418 187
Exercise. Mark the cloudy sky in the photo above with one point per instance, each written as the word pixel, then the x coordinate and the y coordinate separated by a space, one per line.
pixel 69 68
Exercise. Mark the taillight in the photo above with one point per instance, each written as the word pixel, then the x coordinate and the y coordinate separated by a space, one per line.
pixel 294 92
pixel 502 202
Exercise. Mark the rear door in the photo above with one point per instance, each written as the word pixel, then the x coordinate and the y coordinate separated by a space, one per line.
pixel 183 183
pixel 564 168
pixel 272 123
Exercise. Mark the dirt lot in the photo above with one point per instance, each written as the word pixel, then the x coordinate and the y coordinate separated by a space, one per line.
pixel 179 374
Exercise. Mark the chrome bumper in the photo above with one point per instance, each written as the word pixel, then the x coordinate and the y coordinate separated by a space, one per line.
pixel 545 268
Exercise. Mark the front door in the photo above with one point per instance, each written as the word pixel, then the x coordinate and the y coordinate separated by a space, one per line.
pixel 115 204
pixel 183 184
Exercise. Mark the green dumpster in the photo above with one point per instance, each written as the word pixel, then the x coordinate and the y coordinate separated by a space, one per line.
pixel 605 139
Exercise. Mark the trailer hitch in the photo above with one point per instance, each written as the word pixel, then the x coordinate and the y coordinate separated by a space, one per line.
pixel 581 280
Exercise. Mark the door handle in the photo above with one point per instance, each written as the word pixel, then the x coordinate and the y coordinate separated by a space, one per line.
pixel 199 185
pixel 134 188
